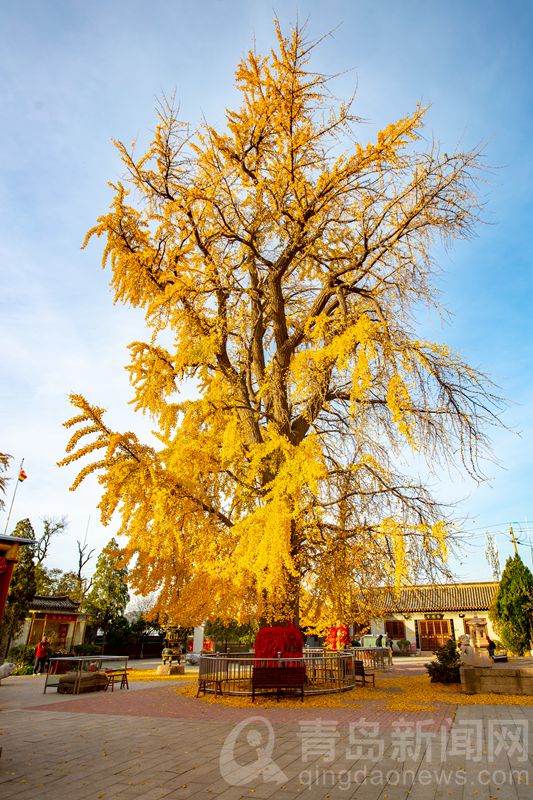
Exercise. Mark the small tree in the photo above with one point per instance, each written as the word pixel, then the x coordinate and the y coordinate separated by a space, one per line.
pixel 51 581
pixel 512 607
pixel 109 594
pixel 84 556
pixel 69 584
pixel 230 633
pixel 446 668
pixel 123 633
pixel 54 581
pixel 51 527
pixel 46 580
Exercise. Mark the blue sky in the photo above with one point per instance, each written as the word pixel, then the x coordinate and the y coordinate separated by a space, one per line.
pixel 74 75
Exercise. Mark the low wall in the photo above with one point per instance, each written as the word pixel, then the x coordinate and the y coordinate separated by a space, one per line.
pixel 498 680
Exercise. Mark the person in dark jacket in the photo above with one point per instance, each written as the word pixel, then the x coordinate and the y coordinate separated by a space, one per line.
pixel 41 652
pixel 491 647
pixel 379 640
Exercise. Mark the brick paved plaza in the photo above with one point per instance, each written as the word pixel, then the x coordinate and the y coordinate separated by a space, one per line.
pixel 150 743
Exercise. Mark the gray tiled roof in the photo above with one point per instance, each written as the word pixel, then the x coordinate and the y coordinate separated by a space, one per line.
pixel 443 597
pixel 14 539
pixel 54 604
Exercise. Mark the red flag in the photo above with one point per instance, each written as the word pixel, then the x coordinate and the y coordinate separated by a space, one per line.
pixel 22 475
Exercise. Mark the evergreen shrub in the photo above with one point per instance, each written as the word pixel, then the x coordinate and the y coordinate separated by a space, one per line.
pixel 446 668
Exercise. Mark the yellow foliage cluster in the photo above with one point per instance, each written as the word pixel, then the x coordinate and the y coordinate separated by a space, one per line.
pixel 280 276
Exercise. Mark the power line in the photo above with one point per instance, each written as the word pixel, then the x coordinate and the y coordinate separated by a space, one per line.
pixel 505 532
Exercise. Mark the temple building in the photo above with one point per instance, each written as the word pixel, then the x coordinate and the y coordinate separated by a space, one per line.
pixel 428 616
pixel 57 617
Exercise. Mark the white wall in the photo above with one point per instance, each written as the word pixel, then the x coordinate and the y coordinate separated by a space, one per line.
pixel 378 625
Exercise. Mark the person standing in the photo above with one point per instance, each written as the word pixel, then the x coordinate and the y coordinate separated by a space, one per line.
pixel 491 648
pixel 41 652
pixel 379 640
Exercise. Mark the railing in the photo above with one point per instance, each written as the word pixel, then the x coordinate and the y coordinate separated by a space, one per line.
pixel 326 671
pixel 374 657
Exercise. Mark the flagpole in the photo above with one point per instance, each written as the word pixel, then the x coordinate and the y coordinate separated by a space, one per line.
pixel 13 498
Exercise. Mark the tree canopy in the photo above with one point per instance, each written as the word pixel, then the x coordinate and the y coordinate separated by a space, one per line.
pixel 54 581
pixel 109 594
pixel 230 633
pixel 282 263
pixel 512 609
pixel 51 527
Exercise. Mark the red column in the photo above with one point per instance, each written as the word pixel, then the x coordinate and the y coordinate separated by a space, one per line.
pixel 5 579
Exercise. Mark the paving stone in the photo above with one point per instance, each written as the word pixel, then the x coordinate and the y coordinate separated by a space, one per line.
pixel 152 744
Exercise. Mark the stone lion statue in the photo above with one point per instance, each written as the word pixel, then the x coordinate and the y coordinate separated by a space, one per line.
pixel 6 669
pixel 468 654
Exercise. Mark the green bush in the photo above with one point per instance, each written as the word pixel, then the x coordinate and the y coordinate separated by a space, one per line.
pixel 23 655
pixel 404 646
pixel 446 668
pixel 26 670
pixel 87 649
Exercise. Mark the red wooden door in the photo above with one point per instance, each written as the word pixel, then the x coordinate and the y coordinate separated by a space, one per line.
pixel 434 633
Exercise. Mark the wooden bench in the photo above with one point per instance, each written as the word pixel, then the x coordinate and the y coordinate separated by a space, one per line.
pixel 113 675
pixel 359 672
pixel 290 679
pixel 203 683
pixel 500 657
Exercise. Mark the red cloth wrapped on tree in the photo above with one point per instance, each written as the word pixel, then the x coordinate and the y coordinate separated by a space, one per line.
pixel 338 637
pixel 284 639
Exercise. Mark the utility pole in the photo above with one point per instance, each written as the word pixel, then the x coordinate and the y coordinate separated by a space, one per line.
pixel 514 540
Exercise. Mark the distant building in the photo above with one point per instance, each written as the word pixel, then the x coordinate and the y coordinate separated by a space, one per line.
pixel 57 617
pixel 9 547
pixel 428 616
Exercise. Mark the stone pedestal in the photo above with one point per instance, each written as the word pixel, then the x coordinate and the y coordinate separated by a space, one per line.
pixel 171 669
pixel 497 679
pixel 468 680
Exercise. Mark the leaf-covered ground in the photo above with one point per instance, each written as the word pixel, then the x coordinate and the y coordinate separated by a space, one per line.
pixel 393 693
pixel 148 675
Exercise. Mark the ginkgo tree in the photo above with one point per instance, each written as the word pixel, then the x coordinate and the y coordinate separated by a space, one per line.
pixel 282 263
